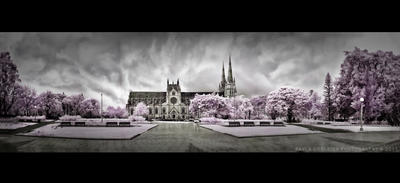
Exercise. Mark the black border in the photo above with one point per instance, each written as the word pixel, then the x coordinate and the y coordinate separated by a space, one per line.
pixel 207 163
pixel 201 17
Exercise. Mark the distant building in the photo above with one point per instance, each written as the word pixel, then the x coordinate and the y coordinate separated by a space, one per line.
pixel 174 104
pixel 228 87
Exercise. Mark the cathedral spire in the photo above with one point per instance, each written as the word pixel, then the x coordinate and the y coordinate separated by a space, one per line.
pixel 222 84
pixel 230 77
pixel 223 73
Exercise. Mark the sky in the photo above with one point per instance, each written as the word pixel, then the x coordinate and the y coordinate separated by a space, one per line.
pixel 116 63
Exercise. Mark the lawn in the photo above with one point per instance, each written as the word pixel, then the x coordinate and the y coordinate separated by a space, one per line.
pixel 322 129
pixel 340 127
pixel 189 137
pixel 14 125
pixel 356 128
pixel 106 133
pixel 257 131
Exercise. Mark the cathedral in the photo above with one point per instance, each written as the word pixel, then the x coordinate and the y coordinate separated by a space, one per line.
pixel 173 104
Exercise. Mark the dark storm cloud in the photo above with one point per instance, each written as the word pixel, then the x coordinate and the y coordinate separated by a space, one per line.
pixel 115 63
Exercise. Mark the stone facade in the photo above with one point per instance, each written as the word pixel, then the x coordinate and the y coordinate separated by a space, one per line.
pixel 174 104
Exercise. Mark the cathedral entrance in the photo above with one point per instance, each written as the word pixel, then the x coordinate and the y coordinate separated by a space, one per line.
pixel 173 115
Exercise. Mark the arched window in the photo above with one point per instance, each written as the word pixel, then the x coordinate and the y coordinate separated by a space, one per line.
pixel 156 109
pixel 183 110
pixel 163 110
pixel 173 93
pixel 150 110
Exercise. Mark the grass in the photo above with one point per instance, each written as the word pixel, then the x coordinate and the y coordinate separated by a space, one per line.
pixel 326 130
pixel 22 129
pixel 357 143
pixel 6 147
pixel 393 146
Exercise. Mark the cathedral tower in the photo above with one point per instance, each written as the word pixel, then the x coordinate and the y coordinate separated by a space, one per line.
pixel 223 80
pixel 228 86
pixel 230 77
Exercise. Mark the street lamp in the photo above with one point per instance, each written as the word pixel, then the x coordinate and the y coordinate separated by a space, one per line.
pixel 234 106
pixel 35 112
pixel 361 113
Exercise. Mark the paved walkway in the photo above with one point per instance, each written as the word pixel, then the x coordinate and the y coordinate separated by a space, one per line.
pixel 189 137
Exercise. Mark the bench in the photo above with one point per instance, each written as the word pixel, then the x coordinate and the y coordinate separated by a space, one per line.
pixel 265 123
pixel 248 123
pixel 111 124
pixel 66 124
pixel 327 123
pixel 234 123
pixel 80 123
pixel 124 123
pixel 278 123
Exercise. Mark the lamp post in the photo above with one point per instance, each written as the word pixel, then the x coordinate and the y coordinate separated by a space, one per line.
pixel 234 106
pixel 35 112
pixel 361 113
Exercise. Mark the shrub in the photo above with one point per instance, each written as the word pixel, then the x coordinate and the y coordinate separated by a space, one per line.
pixel 379 123
pixel 211 120
pixel 261 116
pixel 30 118
pixel 70 118
pixel 137 118
pixel 294 120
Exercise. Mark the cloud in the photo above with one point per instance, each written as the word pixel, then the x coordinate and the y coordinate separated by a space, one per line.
pixel 115 63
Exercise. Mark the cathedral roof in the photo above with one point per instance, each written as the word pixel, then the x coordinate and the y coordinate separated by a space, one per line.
pixel 192 94
pixel 145 94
